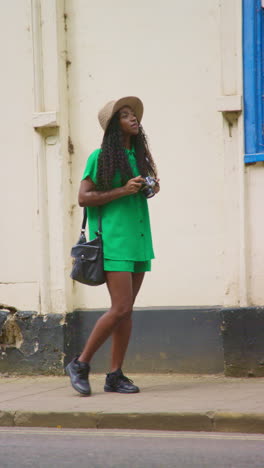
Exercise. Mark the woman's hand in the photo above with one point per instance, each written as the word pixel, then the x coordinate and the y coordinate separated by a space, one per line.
pixel 133 185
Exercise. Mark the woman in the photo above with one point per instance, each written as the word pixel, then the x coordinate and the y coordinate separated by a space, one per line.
pixel 112 186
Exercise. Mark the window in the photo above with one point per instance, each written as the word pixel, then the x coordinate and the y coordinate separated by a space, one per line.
pixel 253 65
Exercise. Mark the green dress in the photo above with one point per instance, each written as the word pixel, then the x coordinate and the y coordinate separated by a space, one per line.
pixel 125 221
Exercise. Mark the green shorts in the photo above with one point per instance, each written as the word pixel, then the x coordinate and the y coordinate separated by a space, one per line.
pixel 127 265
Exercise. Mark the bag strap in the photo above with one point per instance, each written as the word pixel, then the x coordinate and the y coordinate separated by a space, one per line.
pixel 85 221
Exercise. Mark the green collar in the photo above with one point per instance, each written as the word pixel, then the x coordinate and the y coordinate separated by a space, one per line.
pixel 131 151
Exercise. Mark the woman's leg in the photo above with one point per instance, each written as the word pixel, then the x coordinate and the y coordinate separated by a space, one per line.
pixel 121 333
pixel 120 286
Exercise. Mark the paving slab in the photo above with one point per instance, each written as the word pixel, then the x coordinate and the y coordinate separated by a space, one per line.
pixel 166 401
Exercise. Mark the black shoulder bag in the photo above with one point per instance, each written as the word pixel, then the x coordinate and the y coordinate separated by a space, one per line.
pixel 88 259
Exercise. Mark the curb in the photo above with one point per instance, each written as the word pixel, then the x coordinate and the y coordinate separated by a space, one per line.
pixel 208 422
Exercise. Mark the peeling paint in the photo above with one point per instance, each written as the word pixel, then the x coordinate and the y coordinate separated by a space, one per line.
pixel 63 320
pixel 31 343
pixel 71 210
pixel 70 146
pixel 9 308
pixel 65 16
pixel 11 334
pixel 36 346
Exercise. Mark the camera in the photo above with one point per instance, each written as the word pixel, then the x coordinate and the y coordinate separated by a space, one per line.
pixel 148 187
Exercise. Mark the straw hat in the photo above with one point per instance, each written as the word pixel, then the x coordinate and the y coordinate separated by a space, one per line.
pixel 107 112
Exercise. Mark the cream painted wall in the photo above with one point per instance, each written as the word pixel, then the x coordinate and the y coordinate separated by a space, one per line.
pixel 18 184
pixel 35 164
pixel 171 55
pixel 255 231
pixel 65 60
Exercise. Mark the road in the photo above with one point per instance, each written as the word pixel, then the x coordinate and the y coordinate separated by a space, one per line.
pixel 89 448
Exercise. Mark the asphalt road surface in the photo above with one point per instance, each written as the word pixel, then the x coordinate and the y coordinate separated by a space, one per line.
pixel 90 448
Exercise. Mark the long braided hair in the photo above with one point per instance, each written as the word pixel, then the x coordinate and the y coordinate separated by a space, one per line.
pixel 113 157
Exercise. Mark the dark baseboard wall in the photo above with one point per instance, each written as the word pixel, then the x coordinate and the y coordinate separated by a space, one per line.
pixel 243 341
pixel 163 340
pixel 196 340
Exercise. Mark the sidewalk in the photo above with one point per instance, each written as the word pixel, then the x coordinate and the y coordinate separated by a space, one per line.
pixel 166 402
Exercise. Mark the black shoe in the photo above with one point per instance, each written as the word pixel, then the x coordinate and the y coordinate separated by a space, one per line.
pixel 118 382
pixel 78 373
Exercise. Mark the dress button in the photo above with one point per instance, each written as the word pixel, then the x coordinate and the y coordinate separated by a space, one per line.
pixel 142 235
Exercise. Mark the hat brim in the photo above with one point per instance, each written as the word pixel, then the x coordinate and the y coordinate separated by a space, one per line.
pixel 108 111
pixel 131 101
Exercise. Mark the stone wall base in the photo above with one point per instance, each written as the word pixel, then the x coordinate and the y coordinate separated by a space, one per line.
pixel 182 340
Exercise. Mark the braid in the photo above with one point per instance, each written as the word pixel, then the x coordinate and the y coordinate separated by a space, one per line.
pixel 113 157
pixel 144 158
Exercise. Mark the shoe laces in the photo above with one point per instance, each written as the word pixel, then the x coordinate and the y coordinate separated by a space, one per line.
pixel 83 371
pixel 125 379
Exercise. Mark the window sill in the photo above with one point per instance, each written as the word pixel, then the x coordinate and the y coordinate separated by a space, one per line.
pixel 252 158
